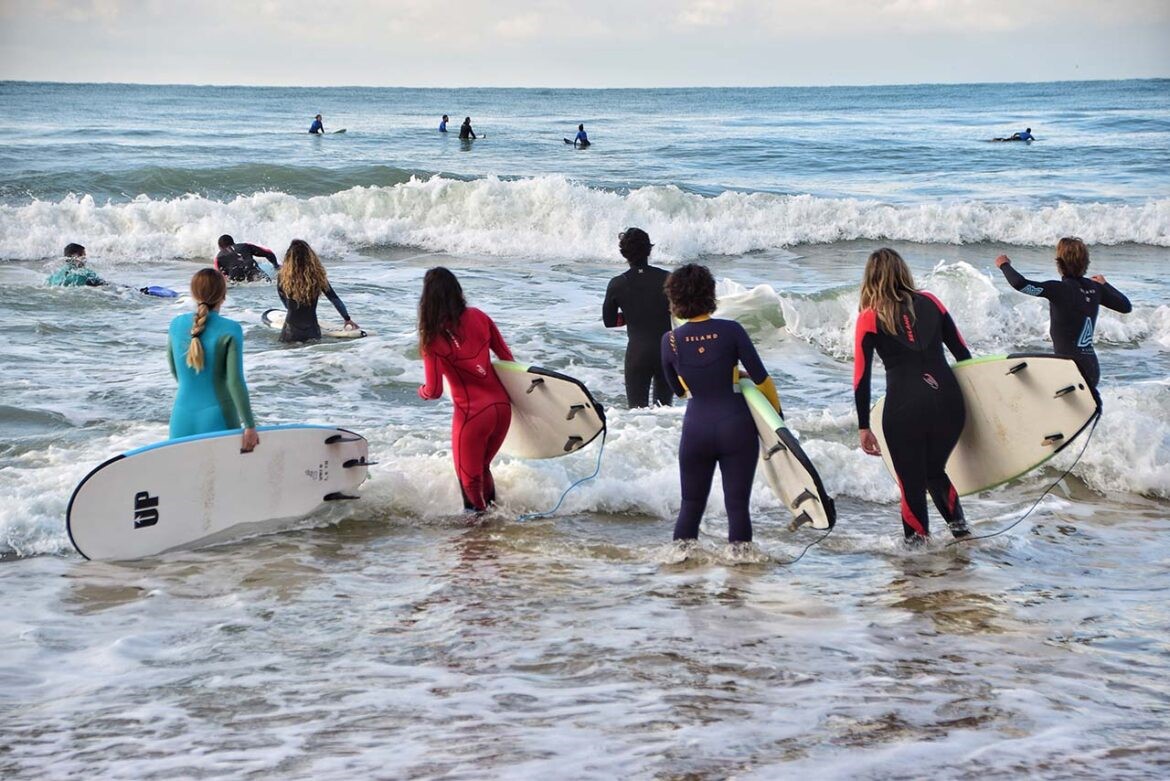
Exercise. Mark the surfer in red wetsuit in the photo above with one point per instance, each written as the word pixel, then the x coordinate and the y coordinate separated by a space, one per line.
pixel 454 341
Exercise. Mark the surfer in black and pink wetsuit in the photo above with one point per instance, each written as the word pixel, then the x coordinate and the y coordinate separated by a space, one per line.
pixel 703 356
pixel 237 262
pixel 924 412
pixel 455 342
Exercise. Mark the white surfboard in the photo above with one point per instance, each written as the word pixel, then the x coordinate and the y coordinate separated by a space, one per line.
pixel 274 318
pixel 1021 411
pixel 788 470
pixel 199 490
pixel 552 414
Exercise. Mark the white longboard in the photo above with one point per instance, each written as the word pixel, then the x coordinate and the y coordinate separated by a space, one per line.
pixel 1021 411
pixel 552 414
pixel 199 490
pixel 274 318
pixel 788 470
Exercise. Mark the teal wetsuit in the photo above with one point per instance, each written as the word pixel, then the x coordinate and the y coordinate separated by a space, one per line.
pixel 72 276
pixel 215 399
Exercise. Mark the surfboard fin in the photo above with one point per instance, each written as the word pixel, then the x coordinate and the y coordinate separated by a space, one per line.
pixel 532 385
pixel 1065 391
pixel 338 496
pixel 804 519
pixel 336 438
pixel 573 410
pixel 351 463
pixel 779 447
pixel 573 443
pixel 804 496
pixel 1019 367
pixel 1052 439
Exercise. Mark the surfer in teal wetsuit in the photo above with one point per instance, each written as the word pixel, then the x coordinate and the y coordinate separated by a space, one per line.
pixel 637 301
pixel 206 355
pixel 703 356
pixel 318 127
pixel 75 273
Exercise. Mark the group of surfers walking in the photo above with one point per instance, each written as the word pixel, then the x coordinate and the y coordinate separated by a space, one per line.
pixel 907 328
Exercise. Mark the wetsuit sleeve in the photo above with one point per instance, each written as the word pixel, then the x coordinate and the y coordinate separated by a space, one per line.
pixel 864 339
pixel 749 357
pixel 1027 286
pixel 670 365
pixel 1112 298
pixel 610 313
pixel 171 358
pixel 266 253
pixel 497 343
pixel 953 339
pixel 236 386
pixel 283 297
pixel 432 387
pixel 336 301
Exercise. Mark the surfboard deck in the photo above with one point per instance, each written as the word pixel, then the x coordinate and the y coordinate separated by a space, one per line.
pixel 200 490
pixel 1022 409
pixel 552 414
pixel 787 468
pixel 274 318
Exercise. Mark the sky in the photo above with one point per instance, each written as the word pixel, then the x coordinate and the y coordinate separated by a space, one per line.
pixel 589 43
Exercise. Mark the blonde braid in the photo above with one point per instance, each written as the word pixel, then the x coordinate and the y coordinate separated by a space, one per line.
pixel 195 349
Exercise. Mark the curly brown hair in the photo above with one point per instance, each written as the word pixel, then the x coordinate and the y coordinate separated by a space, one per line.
pixel 691 291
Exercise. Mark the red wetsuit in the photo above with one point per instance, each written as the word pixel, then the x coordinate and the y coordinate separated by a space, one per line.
pixel 482 409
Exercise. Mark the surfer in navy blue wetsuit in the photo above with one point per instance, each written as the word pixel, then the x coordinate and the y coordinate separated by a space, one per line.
pixel 636 300
pixel 318 127
pixel 702 356
pixel 924 412
pixel 1073 304
pixel 237 262
pixel 581 140
pixel 443 124
pixel 465 131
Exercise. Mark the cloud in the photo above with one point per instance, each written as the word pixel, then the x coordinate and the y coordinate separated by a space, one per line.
pixel 707 13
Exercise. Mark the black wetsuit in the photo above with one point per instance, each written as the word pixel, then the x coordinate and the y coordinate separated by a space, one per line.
pixel 1073 303
pixel 465 131
pixel 238 263
pixel 300 324
pixel 924 412
pixel 718 426
pixel 637 300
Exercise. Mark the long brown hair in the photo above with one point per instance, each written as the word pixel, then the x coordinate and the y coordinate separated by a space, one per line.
pixel 887 287
pixel 209 289
pixel 301 276
pixel 439 307
pixel 1072 257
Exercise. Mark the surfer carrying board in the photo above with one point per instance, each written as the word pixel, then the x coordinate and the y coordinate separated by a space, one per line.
pixel 300 282
pixel 637 301
pixel 206 355
pixel 924 411
pixel 1073 304
pixel 456 342
pixel 702 356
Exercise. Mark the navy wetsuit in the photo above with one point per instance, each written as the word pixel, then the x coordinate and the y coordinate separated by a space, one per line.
pixel 581 139
pixel 636 300
pixel 316 127
pixel 1073 303
pixel 238 262
pixel 718 426
pixel 300 323
pixel 924 412
pixel 465 131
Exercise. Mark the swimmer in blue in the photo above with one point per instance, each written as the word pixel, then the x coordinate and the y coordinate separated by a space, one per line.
pixel 443 124
pixel 702 356
pixel 318 127
pixel 75 273
pixel 206 355
pixel 1025 135
pixel 582 140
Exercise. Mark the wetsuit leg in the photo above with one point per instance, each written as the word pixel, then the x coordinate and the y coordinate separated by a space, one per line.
pixel 474 441
pixel 1091 368
pixel 697 457
pixel 740 452
pixel 906 441
pixel 188 420
pixel 503 414
pixel 641 365
pixel 949 419
pixel 663 395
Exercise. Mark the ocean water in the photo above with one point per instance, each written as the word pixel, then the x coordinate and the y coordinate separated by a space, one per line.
pixel 402 643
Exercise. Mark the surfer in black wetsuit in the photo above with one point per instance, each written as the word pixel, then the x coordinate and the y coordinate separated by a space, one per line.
pixel 465 131
pixel 237 262
pixel 924 412
pixel 636 299
pixel 301 282
pixel 1073 304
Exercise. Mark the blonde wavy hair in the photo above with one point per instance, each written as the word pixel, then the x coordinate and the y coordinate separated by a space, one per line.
pixel 301 275
pixel 209 289
pixel 887 287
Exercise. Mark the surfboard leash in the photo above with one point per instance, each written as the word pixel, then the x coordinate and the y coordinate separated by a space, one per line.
pixel 1040 498
pixel 596 471
pixel 817 541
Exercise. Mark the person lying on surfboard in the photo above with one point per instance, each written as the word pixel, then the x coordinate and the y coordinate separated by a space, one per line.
pixel 300 283
pixel 924 412
pixel 1073 304
pixel 1026 135
pixel 702 356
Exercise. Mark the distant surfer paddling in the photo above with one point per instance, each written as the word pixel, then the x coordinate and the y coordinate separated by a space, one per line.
pixel 75 272
pixel 1025 135
pixel 205 352
pixel 465 131
pixel 924 411
pixel 637 301
pixel 237 262
pixel 702 356
pixel 456 342
pixel 300 283
pixel 1073 304
pixel 318 126
pixel 582 138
